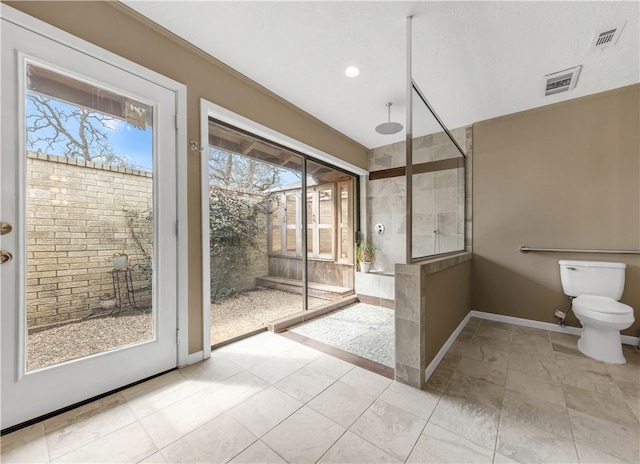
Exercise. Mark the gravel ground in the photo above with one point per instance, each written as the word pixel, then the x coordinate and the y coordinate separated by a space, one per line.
pixel 85 338
pixel 251 310
pixel 234 316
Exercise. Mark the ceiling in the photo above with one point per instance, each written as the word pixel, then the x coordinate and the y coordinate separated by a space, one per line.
pixel 472 60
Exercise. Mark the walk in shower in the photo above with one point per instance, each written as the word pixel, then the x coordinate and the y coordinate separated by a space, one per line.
pixel 431 163
pixel 415 204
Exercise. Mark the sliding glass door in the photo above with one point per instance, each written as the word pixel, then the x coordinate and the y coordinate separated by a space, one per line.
pixel 277 245
pixel 254 238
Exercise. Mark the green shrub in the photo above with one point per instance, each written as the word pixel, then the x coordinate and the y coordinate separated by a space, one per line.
pixel 236 219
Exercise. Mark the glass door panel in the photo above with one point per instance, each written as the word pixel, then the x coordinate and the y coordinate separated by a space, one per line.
pixel 255 232
pixel 89 219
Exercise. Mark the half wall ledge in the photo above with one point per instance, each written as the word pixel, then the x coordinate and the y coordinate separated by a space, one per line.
pixel 432 298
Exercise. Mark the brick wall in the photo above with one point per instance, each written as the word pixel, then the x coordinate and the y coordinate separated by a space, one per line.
pixel 76 221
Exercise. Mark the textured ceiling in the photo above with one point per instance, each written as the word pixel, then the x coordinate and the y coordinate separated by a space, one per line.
pixel 473 60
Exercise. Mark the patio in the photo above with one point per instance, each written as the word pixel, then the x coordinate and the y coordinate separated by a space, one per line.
pixel 248 311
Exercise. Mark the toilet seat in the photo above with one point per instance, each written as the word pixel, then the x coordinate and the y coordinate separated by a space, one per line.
pixel 602 304
pixel 603 309
pixel 602 319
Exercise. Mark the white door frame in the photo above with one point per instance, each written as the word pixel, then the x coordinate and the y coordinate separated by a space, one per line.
pixel 209 109
pixel 53 33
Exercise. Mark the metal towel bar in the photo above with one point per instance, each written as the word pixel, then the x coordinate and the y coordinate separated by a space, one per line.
pixel 527 249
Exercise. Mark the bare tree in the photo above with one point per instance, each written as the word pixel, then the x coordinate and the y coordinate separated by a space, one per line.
pixel 73 132
pixel 236 171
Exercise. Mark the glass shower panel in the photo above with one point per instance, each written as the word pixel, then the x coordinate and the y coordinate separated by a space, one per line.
pixel 437 187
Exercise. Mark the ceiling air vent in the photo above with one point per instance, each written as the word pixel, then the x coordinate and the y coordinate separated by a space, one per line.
pixel 606 38
pixel 561 81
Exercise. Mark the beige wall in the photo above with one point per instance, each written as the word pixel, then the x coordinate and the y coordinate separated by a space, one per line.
pixel 114 27
pixel 448 301
pixel 563 176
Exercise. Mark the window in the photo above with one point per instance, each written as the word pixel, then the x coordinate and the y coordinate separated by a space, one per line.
pixel 345 222
pixel 329 222
pixel 320 223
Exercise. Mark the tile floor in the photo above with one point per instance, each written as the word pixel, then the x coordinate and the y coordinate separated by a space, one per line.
pixel 502 394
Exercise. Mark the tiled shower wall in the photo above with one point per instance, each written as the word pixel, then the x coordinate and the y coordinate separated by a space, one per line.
pixel 438 203
pixel 436 190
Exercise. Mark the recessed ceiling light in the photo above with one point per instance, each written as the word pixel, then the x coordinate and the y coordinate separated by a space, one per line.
pixel 352 71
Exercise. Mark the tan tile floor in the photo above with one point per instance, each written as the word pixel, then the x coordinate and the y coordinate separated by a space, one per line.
pixel 502 394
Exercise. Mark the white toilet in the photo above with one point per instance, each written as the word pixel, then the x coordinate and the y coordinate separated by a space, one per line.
pixel 598 286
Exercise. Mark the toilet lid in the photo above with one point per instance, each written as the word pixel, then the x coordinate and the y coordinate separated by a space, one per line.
pixel 602 304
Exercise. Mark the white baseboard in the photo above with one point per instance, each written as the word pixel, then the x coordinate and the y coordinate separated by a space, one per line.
pixel 436 360
pixel 626 339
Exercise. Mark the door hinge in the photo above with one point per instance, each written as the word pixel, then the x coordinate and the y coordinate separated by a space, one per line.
pixel 176 121
pixel 177 336
pixel 177 228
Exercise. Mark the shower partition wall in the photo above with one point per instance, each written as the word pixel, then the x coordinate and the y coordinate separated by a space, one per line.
pixel 438 192
pixel 435 177
pixel 429 312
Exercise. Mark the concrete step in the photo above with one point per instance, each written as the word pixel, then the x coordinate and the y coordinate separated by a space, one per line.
pixel 322 291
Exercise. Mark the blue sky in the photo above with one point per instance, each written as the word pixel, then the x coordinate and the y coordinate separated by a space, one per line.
pixel 134 144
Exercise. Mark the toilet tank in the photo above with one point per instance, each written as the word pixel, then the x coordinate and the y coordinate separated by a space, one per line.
pixel 592 278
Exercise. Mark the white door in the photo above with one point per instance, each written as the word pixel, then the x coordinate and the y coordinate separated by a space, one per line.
pixel 89 245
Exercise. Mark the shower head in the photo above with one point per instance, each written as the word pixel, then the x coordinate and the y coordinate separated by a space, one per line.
pixel 388 128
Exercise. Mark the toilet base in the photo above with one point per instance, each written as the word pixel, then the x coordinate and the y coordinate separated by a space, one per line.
pixel 602 344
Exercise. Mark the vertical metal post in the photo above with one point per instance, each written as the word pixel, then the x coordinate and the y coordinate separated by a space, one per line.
pixel 303 205
pixel 409 152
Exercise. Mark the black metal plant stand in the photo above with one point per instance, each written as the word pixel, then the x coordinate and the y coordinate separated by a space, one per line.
pixel 123 286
